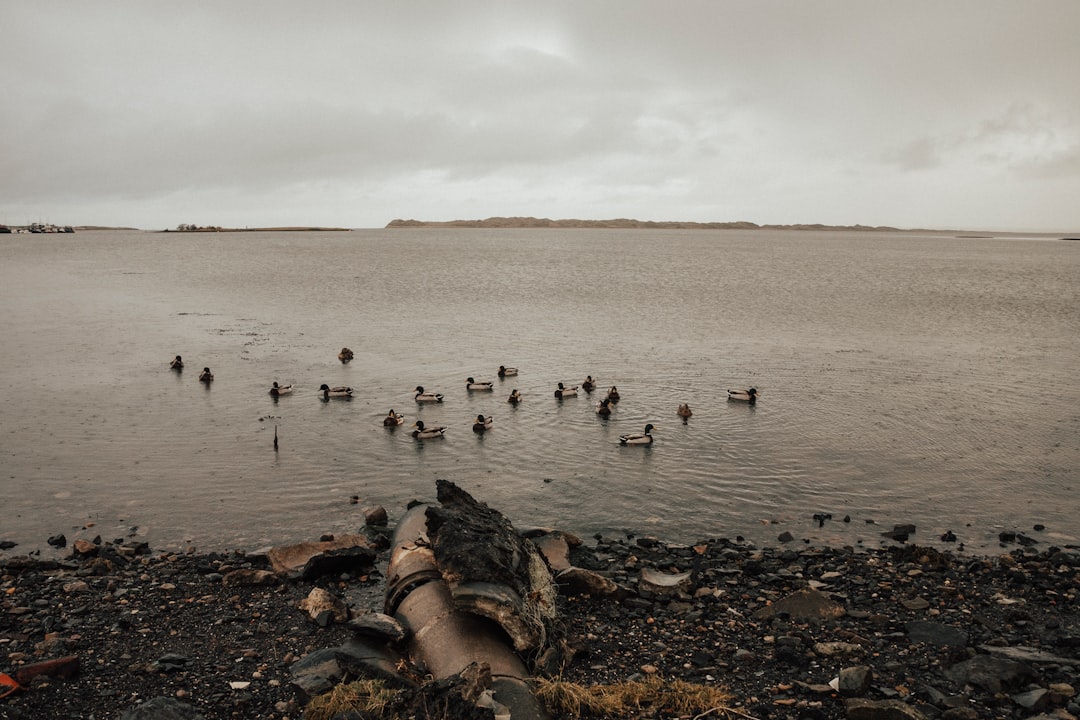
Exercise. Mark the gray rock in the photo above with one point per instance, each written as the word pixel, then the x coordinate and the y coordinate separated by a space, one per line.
pixel 802 605
pixel 162 708
pixel 1021 653
pixel 990 673
pixel 249 577
pixel 932 633
pixel 579 581
pixel 1037 699
pixel 379 626
pixel 855 681
pixel 316 673
pixel 860 709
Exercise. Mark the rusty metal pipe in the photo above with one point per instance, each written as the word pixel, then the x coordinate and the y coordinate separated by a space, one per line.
pixel 441 637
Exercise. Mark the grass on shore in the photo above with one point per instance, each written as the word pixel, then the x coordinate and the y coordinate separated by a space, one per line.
pixel 563 699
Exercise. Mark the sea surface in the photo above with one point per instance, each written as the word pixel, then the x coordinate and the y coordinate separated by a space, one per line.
pixel 921 378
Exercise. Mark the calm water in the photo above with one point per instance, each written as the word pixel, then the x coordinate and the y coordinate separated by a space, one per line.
pixel 905 379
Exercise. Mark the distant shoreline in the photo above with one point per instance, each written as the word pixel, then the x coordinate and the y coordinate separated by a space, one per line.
pixel 626 224
pixel 256 229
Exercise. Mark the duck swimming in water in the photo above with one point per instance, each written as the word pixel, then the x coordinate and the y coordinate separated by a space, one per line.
pixel 613 394
pixel 749 396
pixel 340 391
pixel 603 408
pixel 684 411
pixel 641 438
pixel 507 372
pixel 345 355
pixel 279 390
pixel 471 384
pixel 176 364
pixel 393 419
pixel 588 384
pixel 565 392
pixel 482 424
pixel 515 398
pixel 206 376
pixel 422 396
pixel 426 433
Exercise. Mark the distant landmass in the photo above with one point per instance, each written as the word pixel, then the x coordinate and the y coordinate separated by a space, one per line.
pixel 622 223
pixel 217 228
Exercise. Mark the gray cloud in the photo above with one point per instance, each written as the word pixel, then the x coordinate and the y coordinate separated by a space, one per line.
pixel 355 113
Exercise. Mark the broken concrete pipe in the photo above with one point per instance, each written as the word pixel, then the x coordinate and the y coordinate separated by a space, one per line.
pixel 443 638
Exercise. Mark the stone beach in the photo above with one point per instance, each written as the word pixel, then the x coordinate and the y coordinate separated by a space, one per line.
pixel 116 630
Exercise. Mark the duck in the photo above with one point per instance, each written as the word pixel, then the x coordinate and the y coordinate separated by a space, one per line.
pixel 482 424
pixel 279 390
pixel 393 419
pixel 206 376
pixel 588 384
pixel 177 364
pixel 641 438
pixel 340 391
pixel 515 397
pixel 507 372
pixel 603 408
pixel 422 396
pixel 345 355
pixel 426 433
pixel 684 411
pixel 565 392
pixel 613 394
pixel 749 396
pixel 471 384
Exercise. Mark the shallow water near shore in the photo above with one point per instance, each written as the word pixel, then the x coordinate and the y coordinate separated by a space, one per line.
pixel 904 378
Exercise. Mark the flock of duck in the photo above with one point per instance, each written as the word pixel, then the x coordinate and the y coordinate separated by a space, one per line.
pixel 483 423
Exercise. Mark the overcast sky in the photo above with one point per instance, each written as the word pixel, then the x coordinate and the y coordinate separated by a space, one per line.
pixel 955 114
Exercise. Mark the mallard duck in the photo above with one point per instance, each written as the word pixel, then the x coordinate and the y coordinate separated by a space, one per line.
pixel 684 411
pixel 393 419
pixel 471 384
pixel 515 398
pixel 177 363
pixel 641 438
pixel 426 433
pixel 565 392
pixel 279 390
pixel 340 391
pixel 603 408
pixel 749 396
pixel 613 394
pixel 206 376
pixel 482 423
pixel 507 372
pixel 588 384
pixel 345 355
pixel 422 396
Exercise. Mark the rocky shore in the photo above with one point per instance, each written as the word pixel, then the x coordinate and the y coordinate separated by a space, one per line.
pixel 116 630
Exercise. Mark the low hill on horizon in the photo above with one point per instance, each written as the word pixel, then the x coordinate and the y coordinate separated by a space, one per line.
pixel 622 223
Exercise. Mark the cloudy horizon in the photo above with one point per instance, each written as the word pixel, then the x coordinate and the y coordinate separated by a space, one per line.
pixel 958 115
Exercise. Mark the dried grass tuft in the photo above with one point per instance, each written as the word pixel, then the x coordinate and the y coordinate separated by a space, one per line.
pixel 367 696
pixel 572 700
